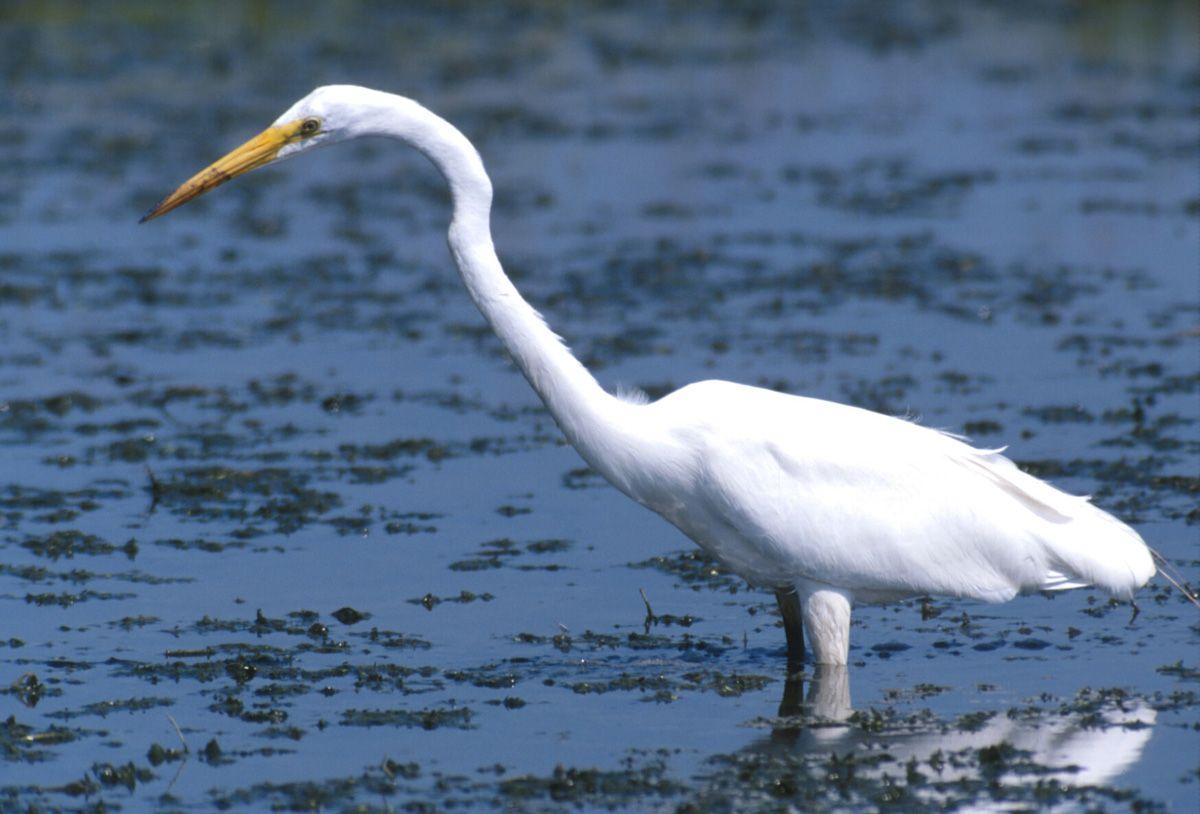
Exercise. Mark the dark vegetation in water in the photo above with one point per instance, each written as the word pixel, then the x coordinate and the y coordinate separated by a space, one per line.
pixel 281 528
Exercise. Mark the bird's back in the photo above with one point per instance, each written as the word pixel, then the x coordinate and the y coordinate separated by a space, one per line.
pixel 784 488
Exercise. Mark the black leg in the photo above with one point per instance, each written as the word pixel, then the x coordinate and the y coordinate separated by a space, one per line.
pixel 793 628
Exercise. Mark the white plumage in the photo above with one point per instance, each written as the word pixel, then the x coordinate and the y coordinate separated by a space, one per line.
pixel 825 503
pixel 881 506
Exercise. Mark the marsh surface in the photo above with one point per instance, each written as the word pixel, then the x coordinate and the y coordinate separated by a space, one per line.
pixel 265 476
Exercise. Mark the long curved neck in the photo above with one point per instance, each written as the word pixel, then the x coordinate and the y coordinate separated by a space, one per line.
pixel 584 411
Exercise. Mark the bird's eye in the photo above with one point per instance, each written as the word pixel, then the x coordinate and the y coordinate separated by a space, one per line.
pixel 309 126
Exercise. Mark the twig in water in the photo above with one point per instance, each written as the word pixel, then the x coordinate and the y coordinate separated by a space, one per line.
pixel 650 617
pixel 174 778
pixel 1176 580
pixel 179 732
pixel 155 490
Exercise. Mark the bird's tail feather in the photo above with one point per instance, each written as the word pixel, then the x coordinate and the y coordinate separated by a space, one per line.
pixel 1056 581
pixel 1095 548
pixel 1084 545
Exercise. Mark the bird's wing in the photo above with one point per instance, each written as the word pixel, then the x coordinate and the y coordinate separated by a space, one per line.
pixel 880 505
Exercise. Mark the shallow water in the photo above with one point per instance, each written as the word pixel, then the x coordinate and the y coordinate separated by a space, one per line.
pixel 221 430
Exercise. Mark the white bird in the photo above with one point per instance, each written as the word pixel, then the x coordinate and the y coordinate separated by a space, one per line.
pixel 825 503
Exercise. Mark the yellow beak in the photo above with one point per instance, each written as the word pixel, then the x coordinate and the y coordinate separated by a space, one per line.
pixel 260 150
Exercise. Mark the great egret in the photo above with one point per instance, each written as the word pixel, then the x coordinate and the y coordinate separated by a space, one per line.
pixel 822 502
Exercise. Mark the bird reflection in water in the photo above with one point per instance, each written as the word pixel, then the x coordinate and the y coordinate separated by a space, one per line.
pixel 1077 748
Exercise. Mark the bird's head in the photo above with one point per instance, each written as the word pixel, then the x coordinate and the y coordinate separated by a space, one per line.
pixel 326 115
